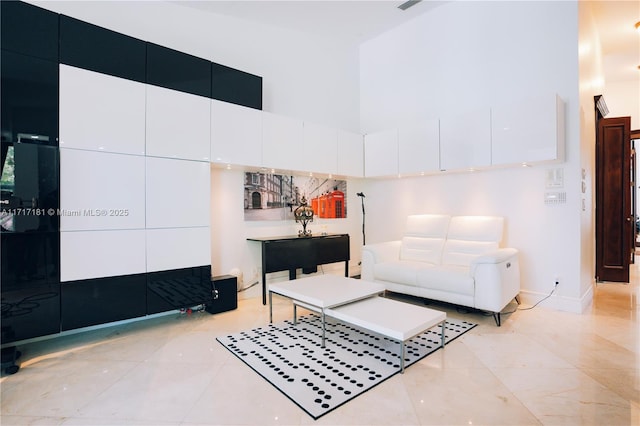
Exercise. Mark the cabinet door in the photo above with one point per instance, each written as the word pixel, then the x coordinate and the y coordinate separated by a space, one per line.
pixel 100 190
pixel 381 153
pixel 350 154
pixel 95 254
pixel 236 134
pixel 99 112
pixel 528 131
pixel 177 193
pixel 320 149
pixel 175 248
pixel 419 147
pixel 465 140
pixel 178 124
pixel 281 142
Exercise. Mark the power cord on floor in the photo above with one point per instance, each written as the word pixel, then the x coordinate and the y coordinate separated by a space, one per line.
pixel 537 303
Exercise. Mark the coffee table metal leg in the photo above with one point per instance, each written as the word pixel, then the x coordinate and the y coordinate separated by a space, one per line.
pixel 442 334
pixel 270 307
pixel 295 314
pixel 401 357
pixel 323 327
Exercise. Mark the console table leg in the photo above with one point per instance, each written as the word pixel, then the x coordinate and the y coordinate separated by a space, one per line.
pixel 270 307
pixel 264 288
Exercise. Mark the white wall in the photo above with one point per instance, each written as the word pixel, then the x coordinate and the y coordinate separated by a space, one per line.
pixel 623 99
pixel 304 76
pixel 468 55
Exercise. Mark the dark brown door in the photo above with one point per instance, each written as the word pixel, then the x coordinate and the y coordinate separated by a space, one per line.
pixel 614 219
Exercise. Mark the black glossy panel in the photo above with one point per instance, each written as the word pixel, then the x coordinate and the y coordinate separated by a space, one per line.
pixel 29 30
pixel 30 312
pixel 29 101
pixel 179 71
pixel 30 280
pixel 97 49
pixel 235 86
pixel 29 189
pixel 178 288
pixel 102 300
pixel 225 288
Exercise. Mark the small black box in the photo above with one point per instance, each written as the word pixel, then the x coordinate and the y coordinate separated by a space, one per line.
pixel 225 293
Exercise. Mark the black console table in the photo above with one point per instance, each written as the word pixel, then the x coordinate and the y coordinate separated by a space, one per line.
pixel 292 252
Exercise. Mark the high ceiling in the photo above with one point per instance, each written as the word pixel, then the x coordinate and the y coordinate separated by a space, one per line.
pixel 354 21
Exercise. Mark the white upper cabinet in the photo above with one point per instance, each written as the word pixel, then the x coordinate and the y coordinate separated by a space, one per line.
pixel 381 153
pixel 282 146
pixel 100 190
pixel 528 131
pixel 465 140
pixel 100 112
pixel 178 124
pixel 236 134
pixel 177 193
pixel 320 149
pixel 176 248
pixel 419 147
pixel 350 154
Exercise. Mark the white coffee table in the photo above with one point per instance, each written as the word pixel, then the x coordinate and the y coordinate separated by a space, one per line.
pixel 321 292
pixel 393 319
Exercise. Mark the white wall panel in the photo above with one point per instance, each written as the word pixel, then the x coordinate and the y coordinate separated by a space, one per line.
pixel 419 147
pixel 100 190
pixel 178 124
pixel 281 142
pixel 350 154
pixel 177 193
pixel 176 248
pixel 320 148
pixel 236 134
pixel 95 254
pixel 381 153
pixel 100 112
pixel 465 140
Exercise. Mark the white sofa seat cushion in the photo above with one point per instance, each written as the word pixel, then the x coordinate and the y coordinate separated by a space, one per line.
pixel 448 278
pixel 399 271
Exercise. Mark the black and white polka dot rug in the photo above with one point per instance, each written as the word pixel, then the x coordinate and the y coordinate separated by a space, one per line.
pixel 319 379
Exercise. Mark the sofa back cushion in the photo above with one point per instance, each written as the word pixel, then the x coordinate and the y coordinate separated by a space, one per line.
pixel 471 236
pixel 424 238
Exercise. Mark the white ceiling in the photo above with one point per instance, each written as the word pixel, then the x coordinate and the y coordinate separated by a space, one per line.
pixel 353 21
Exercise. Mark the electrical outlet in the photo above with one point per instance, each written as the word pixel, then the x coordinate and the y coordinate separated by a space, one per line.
pixel 556 281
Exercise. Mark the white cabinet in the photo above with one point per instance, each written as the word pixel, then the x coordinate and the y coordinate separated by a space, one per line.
pixel 419 147
pixel 381 153
pixel 100 112
pixel 95 254
pixel 350 154
pixel 528 131
pixel 100 190
pixel 465 140
pixel 177 193
pixel 320 149
pixel 236 134
pixel 176 248
pixel 281 142
pixel 178 124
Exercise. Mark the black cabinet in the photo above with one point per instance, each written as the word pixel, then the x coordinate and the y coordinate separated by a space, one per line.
pixel 29 102
pixel 291 253
pixel 29 30
pixel 225 294
pixel 178 288
pixel 102 300
pixel 235 86
pixel 178 71
pixel 94 48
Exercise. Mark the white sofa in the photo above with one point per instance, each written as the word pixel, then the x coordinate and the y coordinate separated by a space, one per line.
pixel 451 259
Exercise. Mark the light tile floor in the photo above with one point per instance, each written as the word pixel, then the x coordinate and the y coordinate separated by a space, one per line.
pixel 540 367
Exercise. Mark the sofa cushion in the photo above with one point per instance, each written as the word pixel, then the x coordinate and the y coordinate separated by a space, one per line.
pixel 398 271
pixel 448 278
pixel 471 236
pixel 424 238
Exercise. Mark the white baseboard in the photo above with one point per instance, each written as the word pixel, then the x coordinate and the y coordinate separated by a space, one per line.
pixel 576 305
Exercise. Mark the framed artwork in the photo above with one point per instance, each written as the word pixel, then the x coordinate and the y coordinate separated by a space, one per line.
pixel 275 197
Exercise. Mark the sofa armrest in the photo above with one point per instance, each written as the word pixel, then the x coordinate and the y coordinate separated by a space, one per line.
pixel 496 256
pixel 497 279
pixel 377 253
